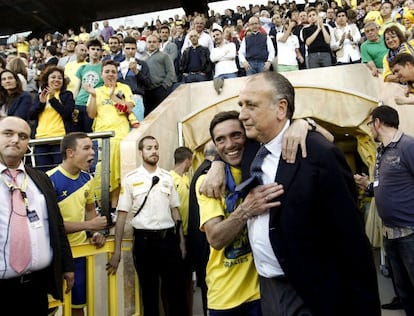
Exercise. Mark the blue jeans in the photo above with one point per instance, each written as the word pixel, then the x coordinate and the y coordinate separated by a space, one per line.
pixel 194 77
pixel 400 253
pixel 252 308
pixel 255 67
pixel 228 76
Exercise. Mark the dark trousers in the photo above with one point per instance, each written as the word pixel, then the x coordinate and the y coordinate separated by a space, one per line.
pixel 83 122
pixel 400 253
pixel 246 309
pixel 47 156
pixel 29 292
pixel 194 77
pixel 153 98
pixel 279 298
pixel 159 259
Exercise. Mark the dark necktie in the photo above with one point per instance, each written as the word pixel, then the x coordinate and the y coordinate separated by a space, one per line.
pixel 256 166
pixel 20 250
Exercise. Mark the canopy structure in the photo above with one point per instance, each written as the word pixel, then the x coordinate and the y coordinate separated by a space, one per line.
pixel 340 98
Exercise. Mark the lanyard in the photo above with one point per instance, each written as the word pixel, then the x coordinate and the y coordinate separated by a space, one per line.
pixel 21 188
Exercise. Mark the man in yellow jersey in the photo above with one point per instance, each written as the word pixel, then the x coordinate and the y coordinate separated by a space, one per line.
pixel 232 279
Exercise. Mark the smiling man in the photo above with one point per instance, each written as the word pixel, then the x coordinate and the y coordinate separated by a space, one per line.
pixel 230 268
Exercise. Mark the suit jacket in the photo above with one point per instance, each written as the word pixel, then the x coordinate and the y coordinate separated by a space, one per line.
pixel 20 106
pixel 318 236
pixel 62 255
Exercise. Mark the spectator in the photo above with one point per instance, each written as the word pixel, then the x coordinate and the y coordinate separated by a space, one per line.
pixel 195 64
pixel 71 68
pixel 162 74
pixel 288 48
pixel 14 101
pixel 317 38
pixel 396 43
pixel 107 31
pixel 134 73
pixel 256 51
pixel 115 50
pixel 345 40
pixel 70 54
pixel 96 32
pixel 18 66
pixel 204 38
pixel 109 106
pixel 223 55
pixel 52 112
pixel 90 75
pixel 373 49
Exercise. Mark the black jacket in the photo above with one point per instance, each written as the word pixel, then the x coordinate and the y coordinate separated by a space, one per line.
pixel 62 260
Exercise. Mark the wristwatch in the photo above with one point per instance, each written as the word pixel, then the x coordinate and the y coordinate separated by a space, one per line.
pixel 311 123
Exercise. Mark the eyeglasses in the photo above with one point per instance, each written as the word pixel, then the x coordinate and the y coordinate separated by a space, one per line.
pixel 370 122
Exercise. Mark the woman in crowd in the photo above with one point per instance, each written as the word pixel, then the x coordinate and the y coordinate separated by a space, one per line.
pixel 18 66
pixel 396 43
pixel 52 112
pixel 109 107
pixel 13 100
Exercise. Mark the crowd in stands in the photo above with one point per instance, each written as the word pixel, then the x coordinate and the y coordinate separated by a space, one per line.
pixel 52 81
pixel 239 42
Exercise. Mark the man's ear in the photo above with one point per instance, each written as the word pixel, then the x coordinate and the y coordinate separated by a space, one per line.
pixel 282 109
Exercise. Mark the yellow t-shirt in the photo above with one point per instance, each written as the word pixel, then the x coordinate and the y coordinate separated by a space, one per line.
pixel 231 278
pixel 50 123
pixel 182 186
pixel 70 71
pixel 108 118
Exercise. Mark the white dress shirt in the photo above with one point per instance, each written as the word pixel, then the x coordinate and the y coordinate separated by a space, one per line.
pixel 265 260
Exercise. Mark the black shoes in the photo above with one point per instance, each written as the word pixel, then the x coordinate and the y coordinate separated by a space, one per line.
pixel 393 305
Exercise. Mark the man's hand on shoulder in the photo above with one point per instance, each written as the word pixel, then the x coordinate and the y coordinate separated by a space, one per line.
pixel 214 184
pixel 294 137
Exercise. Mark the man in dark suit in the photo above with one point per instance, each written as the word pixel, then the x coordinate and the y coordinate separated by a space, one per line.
pixel 311 252
pixel 47 253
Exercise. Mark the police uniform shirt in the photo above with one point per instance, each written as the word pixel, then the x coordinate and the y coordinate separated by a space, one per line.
pixel 156 213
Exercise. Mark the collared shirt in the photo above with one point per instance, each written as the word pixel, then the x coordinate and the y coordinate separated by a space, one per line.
pixel 156 213
pixel 39 230
pixel 394 182
pixel 265 260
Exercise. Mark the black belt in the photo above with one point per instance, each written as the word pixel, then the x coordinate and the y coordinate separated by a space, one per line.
pixel 24 279
pixel 154 234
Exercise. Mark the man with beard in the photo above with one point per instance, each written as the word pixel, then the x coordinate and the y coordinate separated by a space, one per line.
pixel 393 189
pixel 159 245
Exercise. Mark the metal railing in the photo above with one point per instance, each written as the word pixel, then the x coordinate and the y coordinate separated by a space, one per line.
pixel 90 252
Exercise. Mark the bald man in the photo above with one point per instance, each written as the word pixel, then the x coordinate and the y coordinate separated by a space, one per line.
pixel 48 254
